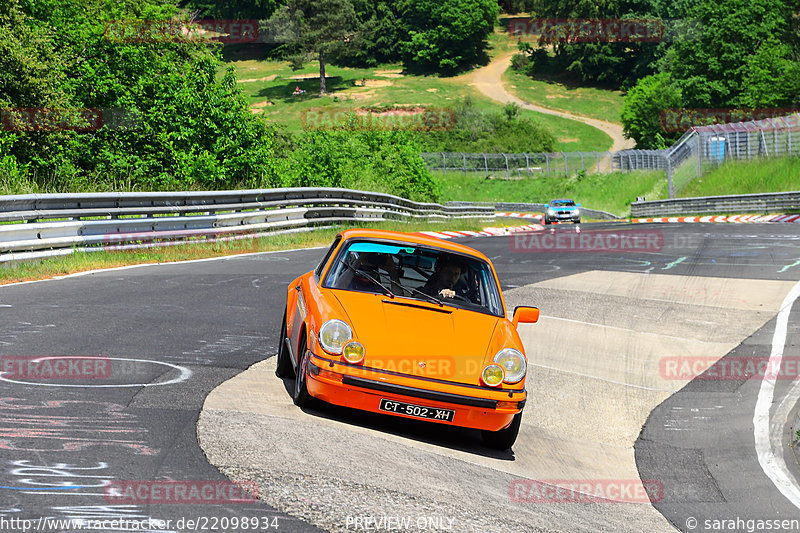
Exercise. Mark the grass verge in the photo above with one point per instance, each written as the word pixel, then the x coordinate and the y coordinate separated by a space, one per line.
pixel 602 104
pixel 606 192
pixel 84 261
pixel 747 177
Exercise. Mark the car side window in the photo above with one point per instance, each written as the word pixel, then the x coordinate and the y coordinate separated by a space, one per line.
pixel 318 270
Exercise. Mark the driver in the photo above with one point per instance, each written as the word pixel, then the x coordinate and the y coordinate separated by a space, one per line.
pixel 445 276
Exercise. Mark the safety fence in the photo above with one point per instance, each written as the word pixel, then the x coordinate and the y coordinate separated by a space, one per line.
pixel 699 149
pixel 517 166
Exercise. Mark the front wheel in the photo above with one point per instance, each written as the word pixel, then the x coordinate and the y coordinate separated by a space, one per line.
pixel 301 396
pixel 577 221
pixel 505 438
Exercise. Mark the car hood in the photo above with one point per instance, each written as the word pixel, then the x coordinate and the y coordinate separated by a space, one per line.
pixel 415 337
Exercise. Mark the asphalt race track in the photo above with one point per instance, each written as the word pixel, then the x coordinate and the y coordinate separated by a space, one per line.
pixel 189 394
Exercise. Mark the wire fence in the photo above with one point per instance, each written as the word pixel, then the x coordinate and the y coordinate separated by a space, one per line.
pixel 698 150
pixel 517 166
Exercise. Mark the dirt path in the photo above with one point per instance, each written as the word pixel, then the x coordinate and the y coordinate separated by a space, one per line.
pixel 489 81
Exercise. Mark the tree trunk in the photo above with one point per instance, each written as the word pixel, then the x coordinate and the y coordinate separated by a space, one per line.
pixel 322 87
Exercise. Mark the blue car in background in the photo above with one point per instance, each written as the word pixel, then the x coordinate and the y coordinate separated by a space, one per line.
pixel 562 211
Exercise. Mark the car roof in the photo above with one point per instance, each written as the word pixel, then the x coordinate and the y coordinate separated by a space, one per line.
pixel 563 200
pixel 412 238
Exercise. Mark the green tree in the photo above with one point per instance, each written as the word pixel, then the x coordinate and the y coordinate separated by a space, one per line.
pixel 735 45
pixel 190 128
pixel 445 34
pixel 771 78
pixel 643 107
pixel 380 35
pixel 323 30
pixel 232 9
pixel 616 64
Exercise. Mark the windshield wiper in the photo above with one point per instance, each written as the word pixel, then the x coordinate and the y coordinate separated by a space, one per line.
pixel 363 274
pixel 428 297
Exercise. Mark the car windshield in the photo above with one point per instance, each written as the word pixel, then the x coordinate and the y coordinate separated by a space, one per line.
pixel 562 203
pixel 417 272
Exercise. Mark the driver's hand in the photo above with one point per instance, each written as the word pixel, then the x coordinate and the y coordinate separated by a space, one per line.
pixel 447 293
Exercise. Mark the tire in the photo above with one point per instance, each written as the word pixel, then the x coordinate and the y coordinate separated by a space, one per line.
pixel 577 221
pixel 285 368
pixel 301 396
pixel 547 220
pixel 505 438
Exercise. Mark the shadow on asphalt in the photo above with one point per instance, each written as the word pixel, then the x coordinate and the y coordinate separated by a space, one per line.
pixel 452 437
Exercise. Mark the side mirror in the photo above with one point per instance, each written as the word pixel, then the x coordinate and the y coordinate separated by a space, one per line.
pixel 577 205
pixel 525 315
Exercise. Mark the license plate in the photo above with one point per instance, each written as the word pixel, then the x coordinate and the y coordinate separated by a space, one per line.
pixel 419 411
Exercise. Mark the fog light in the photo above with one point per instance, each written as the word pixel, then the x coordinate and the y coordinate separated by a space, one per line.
pixel 493 375
pixel 354 352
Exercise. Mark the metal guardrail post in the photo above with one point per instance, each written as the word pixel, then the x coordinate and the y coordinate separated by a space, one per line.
pixel 508 176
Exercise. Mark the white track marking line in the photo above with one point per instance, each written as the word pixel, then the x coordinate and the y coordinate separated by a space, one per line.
pixel 548 317
pixel 126 267
pixel 768 443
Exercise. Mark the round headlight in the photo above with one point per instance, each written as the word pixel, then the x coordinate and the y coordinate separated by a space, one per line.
pixel 513 363
pixel 492 375
pixel 333 335
pixel 577 212
pixel 353 352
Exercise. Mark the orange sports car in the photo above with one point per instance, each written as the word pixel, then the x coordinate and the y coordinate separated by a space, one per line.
pixel 407 325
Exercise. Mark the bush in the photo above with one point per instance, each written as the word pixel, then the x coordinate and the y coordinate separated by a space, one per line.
pixel 478 131
pixel 360 158
pixel 642 108
pixel 520 62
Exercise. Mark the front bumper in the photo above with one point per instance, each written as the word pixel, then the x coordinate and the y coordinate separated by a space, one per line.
pixel 490 410
pixel 568 216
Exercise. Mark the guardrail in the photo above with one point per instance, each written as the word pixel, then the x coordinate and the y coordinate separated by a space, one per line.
pixel 778 202
pixel 537 208
pixel 44 225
